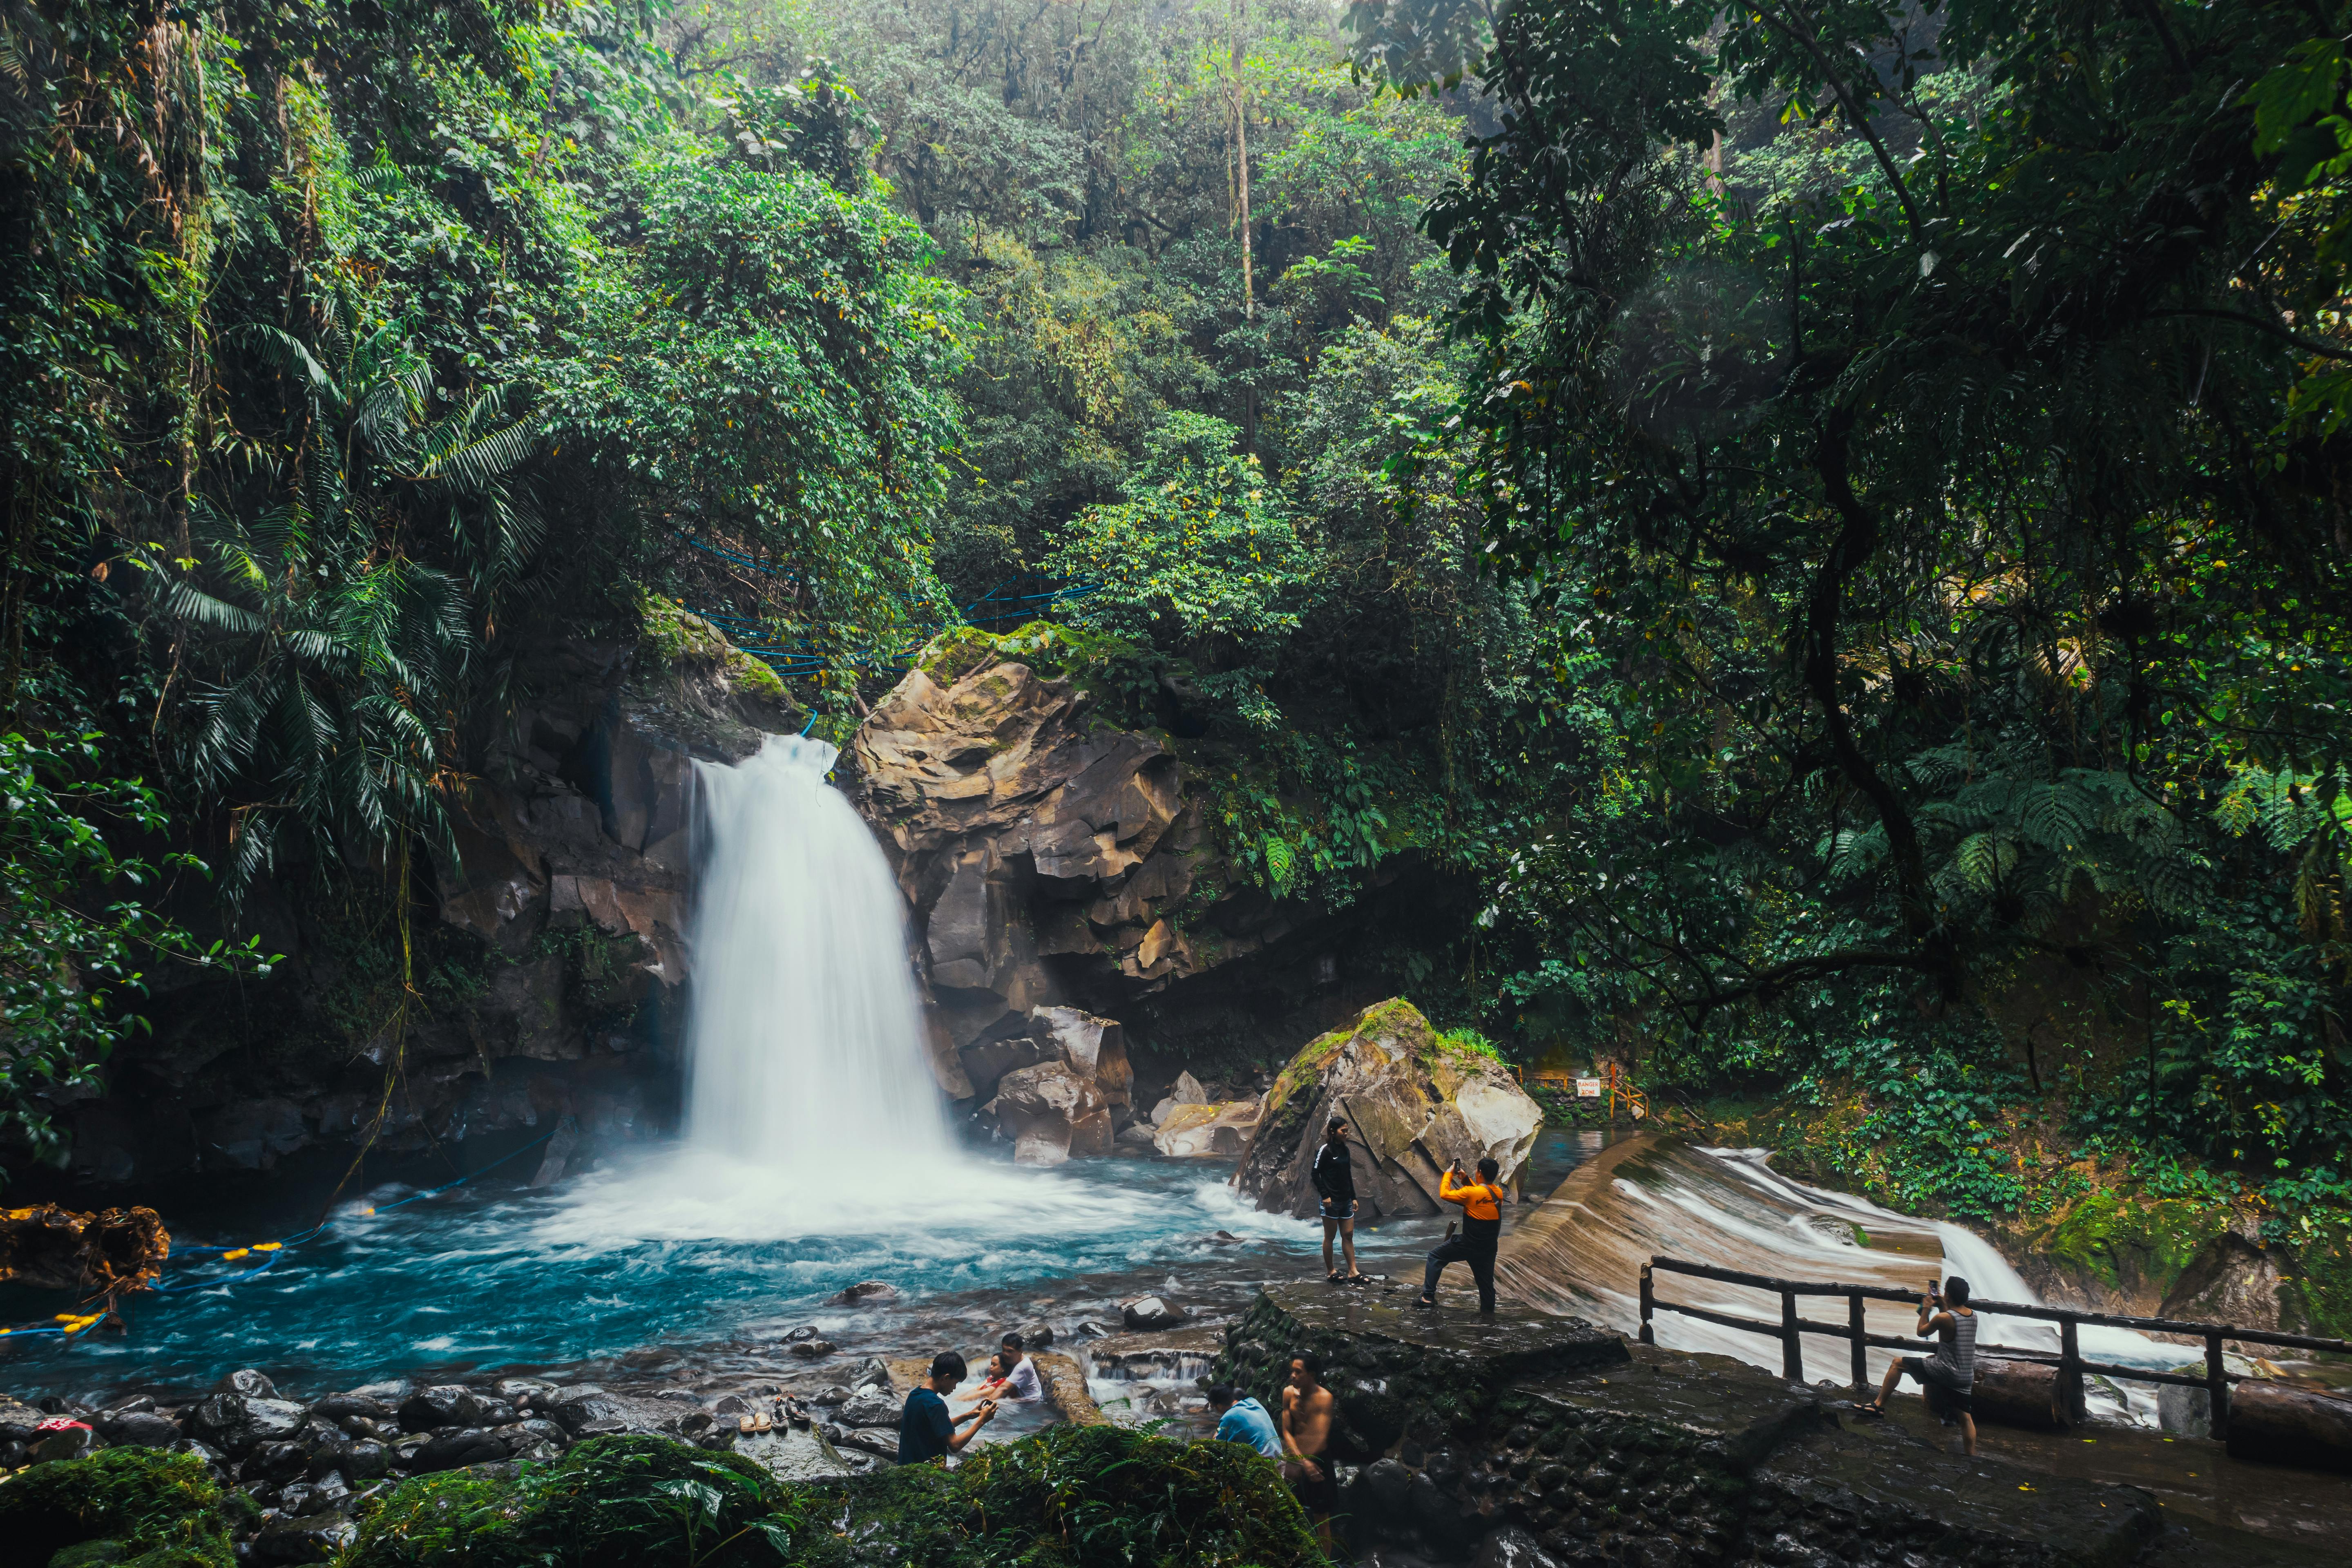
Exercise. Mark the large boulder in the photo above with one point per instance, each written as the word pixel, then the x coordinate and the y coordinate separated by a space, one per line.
pixel 1413 1104
pixel 1051 1113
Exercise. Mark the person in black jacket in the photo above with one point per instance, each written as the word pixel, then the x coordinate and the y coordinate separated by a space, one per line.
pixel 1335 1184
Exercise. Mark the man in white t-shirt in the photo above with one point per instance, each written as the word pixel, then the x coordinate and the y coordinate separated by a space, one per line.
pixel 1020 1371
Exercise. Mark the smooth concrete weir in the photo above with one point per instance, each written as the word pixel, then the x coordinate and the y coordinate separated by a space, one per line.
pixel 1531 1440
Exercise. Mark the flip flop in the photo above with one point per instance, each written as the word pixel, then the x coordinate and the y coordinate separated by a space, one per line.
pixel 1872 1411
pixel 1353 1278
pixel 1332 1277
pixel 765 1422
pixel 747 1424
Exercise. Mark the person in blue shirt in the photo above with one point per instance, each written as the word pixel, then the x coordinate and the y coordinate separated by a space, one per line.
pixel 926 1430
pixel 1244 1420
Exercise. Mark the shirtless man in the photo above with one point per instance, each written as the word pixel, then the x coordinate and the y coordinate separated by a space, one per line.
pixel 1306 1432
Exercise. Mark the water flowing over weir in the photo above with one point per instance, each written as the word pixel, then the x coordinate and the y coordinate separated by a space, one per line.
pixel 1581 1253
pixel 805 1043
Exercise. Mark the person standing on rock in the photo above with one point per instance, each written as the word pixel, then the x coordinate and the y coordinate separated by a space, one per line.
pixel 1482 1231
pixel 926 1430
pixel 1948 1378
pixel 1306 1409
pixel 1334 1173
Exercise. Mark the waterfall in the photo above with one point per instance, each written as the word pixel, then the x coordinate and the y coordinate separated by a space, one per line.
pixel 804 1041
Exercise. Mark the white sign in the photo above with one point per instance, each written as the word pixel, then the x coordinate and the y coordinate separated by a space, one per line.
pixel 1588 1088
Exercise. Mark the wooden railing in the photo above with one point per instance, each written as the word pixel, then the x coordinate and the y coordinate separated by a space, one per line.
pixel 2071 1367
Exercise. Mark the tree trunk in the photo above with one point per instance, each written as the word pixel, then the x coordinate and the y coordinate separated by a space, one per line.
pixel 2298 1426
pixel 2019 1393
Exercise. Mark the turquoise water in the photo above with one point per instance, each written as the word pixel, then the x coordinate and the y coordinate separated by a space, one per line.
pixel 671 1248
pixel 710 1257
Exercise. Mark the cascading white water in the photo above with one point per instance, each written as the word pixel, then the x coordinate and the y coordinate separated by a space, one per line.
pixel 804 1043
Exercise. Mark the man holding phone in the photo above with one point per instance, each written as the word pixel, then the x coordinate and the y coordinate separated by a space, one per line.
pixel 1949 1378
pixel 926 1431
pixel 1482 1231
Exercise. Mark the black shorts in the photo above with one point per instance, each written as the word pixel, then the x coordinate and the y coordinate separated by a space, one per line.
pixel 1319 1498
pixel 1943 1399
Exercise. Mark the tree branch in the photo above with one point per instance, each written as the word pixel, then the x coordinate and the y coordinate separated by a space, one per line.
pixel 1854 117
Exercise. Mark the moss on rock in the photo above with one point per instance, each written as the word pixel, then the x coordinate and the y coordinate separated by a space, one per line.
pixel 675 635
pixel 162 1510
pixel 2134 1247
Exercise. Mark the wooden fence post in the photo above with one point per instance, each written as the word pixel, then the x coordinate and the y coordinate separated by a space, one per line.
pixel 1649 1300
pixel 2217 1387
pixel 1792 1351
pixel 2070 1369
pixel 1858 1336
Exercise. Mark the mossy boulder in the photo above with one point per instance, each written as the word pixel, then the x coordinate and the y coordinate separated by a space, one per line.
pixel 119 1506
pixel 1414 1100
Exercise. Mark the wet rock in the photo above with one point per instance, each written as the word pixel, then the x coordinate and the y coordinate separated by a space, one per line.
pixel 1035 1334
pixel 236 1423
pixel 809 1350
pixel 1137 1133
pixel 453 1450
pixel 275 1462
pixel 1093 1330
pixel 522 1391
pixel 870 1410
pixel 302 1538
pixel 873 1373
pixel 73 1442
pixel 204 1451
pixel 648 1357
pixel 866 1293
pixel 796 1336
pixel 1150 1312
pixel 881 1442
pixel 329 1493
pixel 1413 1102
pixel 138 1428
pixel 836 1394
pixel 247 1382
pixel 367 1461
pixel 1051 1114
pixel 1199 1132
pixel 442 1404
pixel 1187 1091
pixel 1094 1048
pixel 495 1413
pixel 577 1410
pixel 732 1404
pixel 338 1406
pixel 1512 1547
pixel 333 1456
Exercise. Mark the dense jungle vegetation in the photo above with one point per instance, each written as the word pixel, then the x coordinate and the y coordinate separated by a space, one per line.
pixel 1832 518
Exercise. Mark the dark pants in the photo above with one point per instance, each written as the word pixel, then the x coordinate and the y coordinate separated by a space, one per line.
pixel 1479 1253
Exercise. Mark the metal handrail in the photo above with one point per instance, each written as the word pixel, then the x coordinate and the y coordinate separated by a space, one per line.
pixel 2071 1367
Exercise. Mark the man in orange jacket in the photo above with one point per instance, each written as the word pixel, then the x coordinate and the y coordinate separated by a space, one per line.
pixel 1482 1230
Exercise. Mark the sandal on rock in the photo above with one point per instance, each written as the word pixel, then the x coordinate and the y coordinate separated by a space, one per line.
pixel 1332 1277
pixel 1424 1301
pixel 764 1424
pixel 746 1424
pixel 1877 1412
pixel 1354 1278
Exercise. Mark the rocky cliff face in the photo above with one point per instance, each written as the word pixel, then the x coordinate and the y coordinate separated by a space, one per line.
pixel 1050 858
pixel 549 949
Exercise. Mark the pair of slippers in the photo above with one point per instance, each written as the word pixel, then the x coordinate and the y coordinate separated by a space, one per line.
pixel 756 1424
pixel 1339 1278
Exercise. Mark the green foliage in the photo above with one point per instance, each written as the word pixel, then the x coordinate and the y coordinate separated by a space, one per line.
pixel 78 920
pixel 1470 1040
pixel 1201 562
pixel 1110 1496
pixel 610 1502
pixel 163 1508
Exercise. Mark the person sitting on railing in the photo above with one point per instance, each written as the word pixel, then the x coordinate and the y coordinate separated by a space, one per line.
pixel 1949 1378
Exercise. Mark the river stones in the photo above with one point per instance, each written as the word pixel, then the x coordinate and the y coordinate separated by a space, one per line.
pixel 866 1293
pixel 586 1409
pixel 809 1349
pixel 1221 1130
pixel 452 1450
pixel 247 1382
pixel 869 1409
pixel 1151 1312
pixel 138 1428
pixel 442 1404
pixel 302 1538
pixel 236 1423
pixel 341 1407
